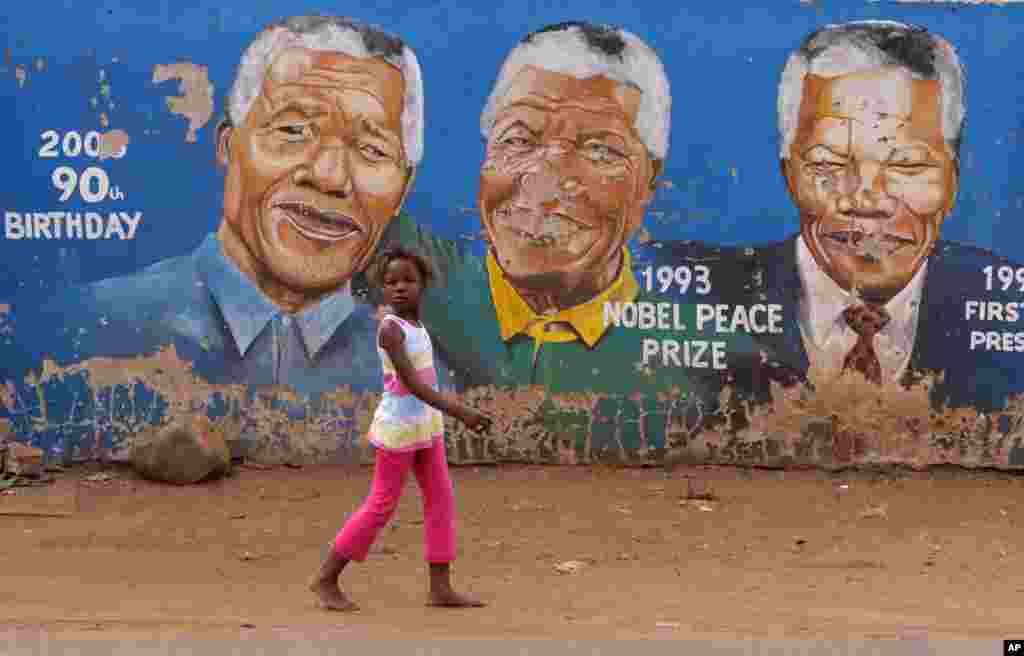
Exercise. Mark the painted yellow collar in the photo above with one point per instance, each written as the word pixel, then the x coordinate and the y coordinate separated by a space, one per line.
pixel 587 319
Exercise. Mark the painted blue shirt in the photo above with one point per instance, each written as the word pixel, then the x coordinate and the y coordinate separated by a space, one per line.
pixel 215 318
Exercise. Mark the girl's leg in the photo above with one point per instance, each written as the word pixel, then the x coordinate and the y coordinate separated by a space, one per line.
pixel 354 540
pixel 390 471
pixel 431 468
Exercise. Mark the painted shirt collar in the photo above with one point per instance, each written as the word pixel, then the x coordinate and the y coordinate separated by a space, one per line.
pixel 247 310
pixel 586 320
pixel 826 300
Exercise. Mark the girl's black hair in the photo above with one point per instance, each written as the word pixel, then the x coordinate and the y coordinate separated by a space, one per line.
pixel 392 252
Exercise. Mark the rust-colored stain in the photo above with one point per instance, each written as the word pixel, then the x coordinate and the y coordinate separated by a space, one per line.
pixel 834 422
pixel 847 420
pixel 121 410
pixel 196 102
pixel 113 143
pixel 6 329
pixel 960 2
pixel 7 395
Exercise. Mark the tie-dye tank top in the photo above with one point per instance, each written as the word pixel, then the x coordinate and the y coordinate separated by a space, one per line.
pixel 402 422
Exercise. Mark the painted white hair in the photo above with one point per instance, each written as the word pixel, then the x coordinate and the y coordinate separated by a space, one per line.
pixel 854 47
pixel 343 35
pixel 583 51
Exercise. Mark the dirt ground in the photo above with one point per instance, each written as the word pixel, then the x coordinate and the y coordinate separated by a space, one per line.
pixel 777 555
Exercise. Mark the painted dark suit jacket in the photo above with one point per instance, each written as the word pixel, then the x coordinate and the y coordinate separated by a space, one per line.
pixel 768 274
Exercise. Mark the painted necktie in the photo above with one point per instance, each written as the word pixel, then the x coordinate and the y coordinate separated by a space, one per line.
pixel 866 321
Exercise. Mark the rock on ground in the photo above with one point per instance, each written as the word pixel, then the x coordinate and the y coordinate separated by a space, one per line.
pixel 183 452
pixel 23 460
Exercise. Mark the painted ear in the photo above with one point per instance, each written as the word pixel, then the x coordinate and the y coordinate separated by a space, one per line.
pixel 657 168
pixel 408 188
pixel 222 143
pixel 786 166
pixel 953 190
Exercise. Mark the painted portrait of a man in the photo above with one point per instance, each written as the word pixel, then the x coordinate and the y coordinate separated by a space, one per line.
pixel 871 116
pixel 576 132
pixel 321 140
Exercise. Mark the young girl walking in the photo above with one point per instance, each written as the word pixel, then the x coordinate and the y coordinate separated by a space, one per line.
pixel 408 433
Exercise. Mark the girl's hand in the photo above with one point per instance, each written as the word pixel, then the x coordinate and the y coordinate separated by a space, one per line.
pixel 474 419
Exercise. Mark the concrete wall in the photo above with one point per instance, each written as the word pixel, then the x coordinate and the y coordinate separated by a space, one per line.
pixel 620 269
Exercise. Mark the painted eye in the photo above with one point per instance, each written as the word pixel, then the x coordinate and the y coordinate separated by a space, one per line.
pixel 294 131
pixel 907 168
pixel 827 167
pixel 602 152
pixel 517 142
pixel 372 152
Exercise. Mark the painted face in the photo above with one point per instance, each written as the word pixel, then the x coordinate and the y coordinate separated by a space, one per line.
pixel 318 168
pixel 873 177
pixel 566 179
pixel 403 285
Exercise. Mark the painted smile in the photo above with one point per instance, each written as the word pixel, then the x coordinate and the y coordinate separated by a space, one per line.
pixel 553 228
pixel 869 245
pixel 317 224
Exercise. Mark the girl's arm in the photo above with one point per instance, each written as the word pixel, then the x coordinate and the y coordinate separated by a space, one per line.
pixel 392 340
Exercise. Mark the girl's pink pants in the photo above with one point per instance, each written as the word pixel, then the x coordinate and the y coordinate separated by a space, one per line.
pixel 390 473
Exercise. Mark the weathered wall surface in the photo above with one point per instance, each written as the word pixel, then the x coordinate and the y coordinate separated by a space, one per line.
pixel 627 274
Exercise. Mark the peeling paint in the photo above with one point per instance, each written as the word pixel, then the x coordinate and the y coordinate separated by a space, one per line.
pixel 833 422
pixel 113 143
pixel 118 401
pixel 961 2
pixel 196 104
pixel 163 371
pixel 847 420
pixel 5 324
pixel 7 395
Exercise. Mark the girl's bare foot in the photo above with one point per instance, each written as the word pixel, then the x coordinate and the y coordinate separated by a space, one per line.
pixel 452 599
pixel 441 592
pixel 325 584
pixel 331 597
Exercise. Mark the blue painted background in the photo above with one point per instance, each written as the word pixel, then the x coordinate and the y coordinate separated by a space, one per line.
pixel 723 60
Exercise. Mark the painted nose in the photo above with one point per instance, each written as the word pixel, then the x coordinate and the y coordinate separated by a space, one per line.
pixel 542 191
pixel 863 192
pixel 329 171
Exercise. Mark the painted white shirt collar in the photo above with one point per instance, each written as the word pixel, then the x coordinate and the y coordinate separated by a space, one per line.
pixel 827 337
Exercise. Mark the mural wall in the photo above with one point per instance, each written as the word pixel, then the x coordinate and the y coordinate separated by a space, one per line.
pixel 725 233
